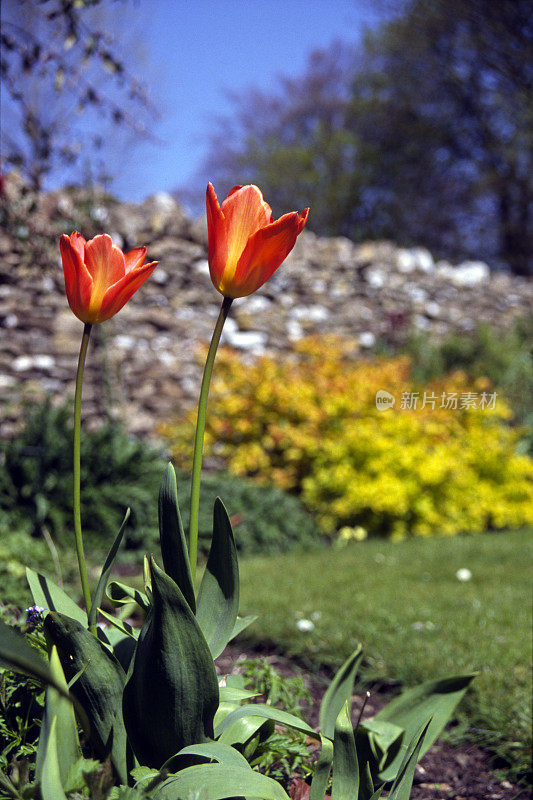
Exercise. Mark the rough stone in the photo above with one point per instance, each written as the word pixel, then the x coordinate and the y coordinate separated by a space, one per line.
pixel 151 353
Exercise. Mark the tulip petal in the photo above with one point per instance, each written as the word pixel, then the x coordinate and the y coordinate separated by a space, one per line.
pixel 218 243
pixel 78 281
pixel 104 261
pixel 118 295
pixel 265 252
pixel 245 212
pixel 134 258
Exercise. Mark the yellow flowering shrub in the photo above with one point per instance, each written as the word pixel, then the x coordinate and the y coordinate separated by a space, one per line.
pixel 308 423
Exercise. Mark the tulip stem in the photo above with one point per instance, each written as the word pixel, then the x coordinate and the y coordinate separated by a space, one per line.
pixel 77 447
pixel 199 437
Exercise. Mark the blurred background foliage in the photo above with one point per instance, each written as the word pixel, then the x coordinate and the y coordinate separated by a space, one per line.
pixel 69 80
pixel 309 424
pixel 421 133
pixel 118 470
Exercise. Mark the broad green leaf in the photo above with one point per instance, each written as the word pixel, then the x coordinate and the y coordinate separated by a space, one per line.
pixel 98 689
pixel 51 786
pixel 171 695
pixel 174 549
pixel 219 781
pixel 218 597
pixel 436 699
pixel 48 595
pixel 401 788
pixel 232 694
pixel 366 786
pixel 345 783
pixel 121 627
pixel 241 624
pixel 106 570
pixel 17 654
pixel 338 693
pixel 319 784
pixel 119 594
pixel 213 751
pixel 58 708
pixel 241 731
pixel 379 742
pixel 268 712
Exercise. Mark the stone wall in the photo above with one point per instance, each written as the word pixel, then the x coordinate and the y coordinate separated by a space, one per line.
pixel 149 352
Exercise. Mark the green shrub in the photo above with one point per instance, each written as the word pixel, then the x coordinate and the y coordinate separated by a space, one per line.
pixel 506 359
pixel 265 519
pixel 21 709
pixel 117 471
pixel 308 423
pixel 17 549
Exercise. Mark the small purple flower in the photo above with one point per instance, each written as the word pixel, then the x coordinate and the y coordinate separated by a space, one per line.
pixel 33 616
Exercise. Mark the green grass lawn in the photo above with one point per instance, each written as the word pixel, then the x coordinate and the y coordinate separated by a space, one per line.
pixel 416 620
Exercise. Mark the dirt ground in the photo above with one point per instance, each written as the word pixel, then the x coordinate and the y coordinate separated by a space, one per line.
pixel 445 772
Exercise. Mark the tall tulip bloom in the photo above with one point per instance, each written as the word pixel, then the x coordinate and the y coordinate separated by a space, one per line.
pixel 246 244
pixel 99 280
pixel 99 277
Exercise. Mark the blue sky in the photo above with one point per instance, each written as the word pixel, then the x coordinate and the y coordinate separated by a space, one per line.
pixel 191 51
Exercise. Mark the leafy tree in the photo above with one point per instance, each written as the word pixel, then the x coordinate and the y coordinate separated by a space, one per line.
pixel 442 106
pixel 295 144
pixel 60 70
pixel 423 135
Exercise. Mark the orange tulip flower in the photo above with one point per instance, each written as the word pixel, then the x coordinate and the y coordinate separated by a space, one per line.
pixel 99 277
pixel 246 245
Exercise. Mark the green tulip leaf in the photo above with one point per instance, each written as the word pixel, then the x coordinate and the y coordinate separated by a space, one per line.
pixel 233 694
pixel 241 623
pixel 98 688
pixel 338 693
pixel 171 695
pixel 319 784
pixel 172 537
pixel 366 786
pixel 401 788
pixel 212 751
pixel 218 597
pixel 121 628
pixel 51 786
pixel 119 594
pixel 378 742
pixel 268 712
pixel 436 699
pixel 345 784
pixel 240 731
pixel 106 570
pixel 50 596
pixel 58 708
pixel 219 781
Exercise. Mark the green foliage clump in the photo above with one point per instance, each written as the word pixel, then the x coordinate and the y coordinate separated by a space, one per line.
pixel 506 359
pixel 265 519
pixel 117 471
pixel 309 423
pixel 21 709
pixel 17 549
